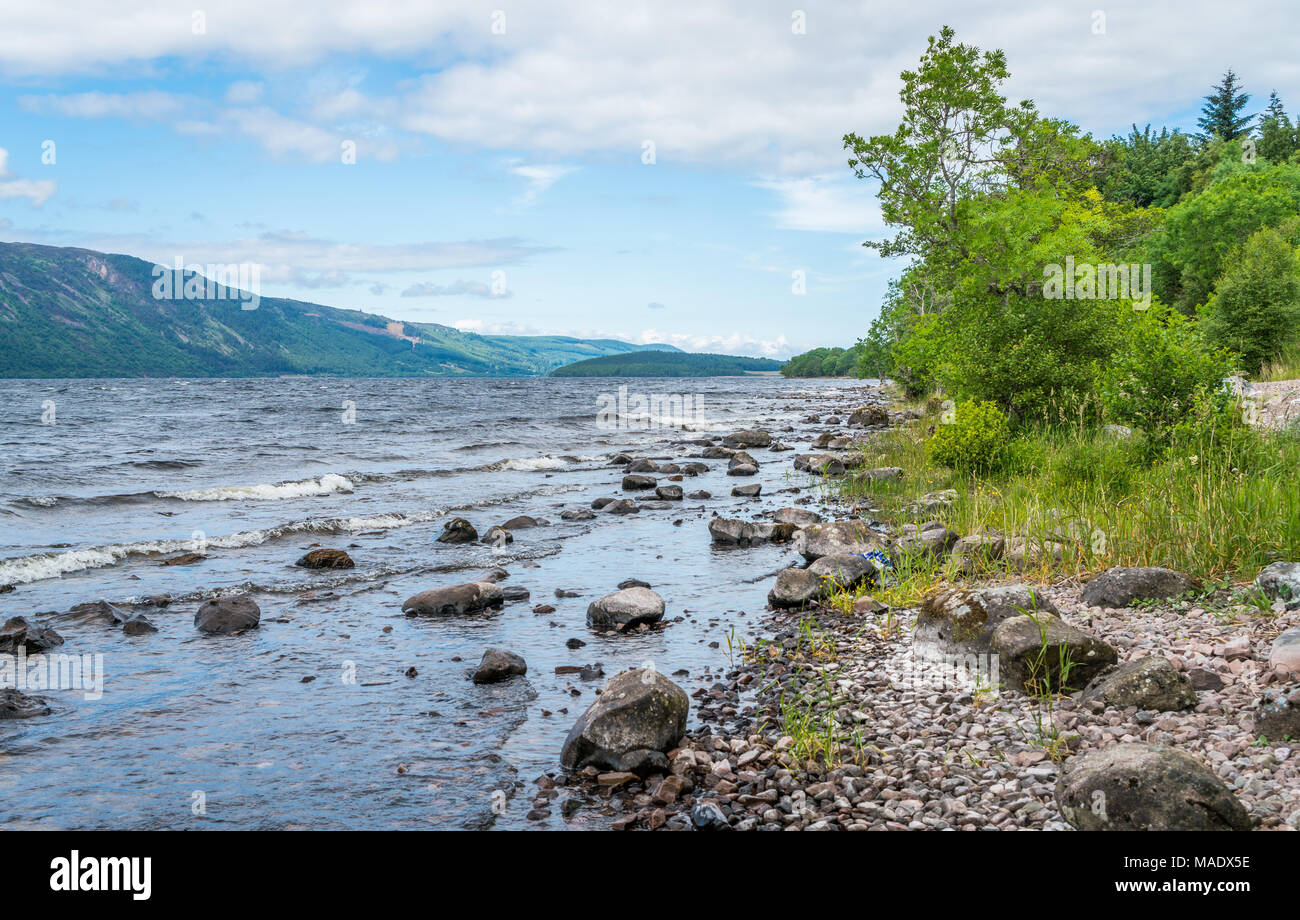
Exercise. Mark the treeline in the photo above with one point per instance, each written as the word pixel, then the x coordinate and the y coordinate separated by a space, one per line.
pixel 666 364
pixel 824 362
pixel 1055 275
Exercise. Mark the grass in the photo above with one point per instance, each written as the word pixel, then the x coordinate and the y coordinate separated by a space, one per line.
pixel 1085 500
pixel 1285 366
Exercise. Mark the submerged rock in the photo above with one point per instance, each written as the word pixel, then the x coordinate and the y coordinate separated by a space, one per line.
pixel 622 506
pixel 455 600
pixel 326 559
pixel 753 490
pixel 637 710
pixel 499 664
pixel 226 615
pixel 17 634
pixel 523 522
pixel 458 530
pixel 1146 787
pixel 17 705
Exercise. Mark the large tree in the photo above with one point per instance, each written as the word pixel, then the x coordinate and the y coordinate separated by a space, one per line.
pixel 1278 138
pixel 1221 116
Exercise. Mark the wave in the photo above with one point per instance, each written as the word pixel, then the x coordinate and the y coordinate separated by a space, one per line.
pixel 22 570
pixel 533 464
pixel 326 485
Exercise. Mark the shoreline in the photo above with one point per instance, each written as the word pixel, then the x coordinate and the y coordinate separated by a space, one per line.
pixel 902 752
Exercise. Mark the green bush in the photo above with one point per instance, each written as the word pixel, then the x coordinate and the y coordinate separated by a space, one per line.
pixel 1151 380
pixel 975 440
pixel 1256 302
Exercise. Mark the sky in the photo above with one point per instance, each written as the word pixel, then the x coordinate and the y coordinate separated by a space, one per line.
pixel 654 172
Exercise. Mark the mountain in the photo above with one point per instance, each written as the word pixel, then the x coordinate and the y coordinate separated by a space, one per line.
pixel 78 313
pixel 663 364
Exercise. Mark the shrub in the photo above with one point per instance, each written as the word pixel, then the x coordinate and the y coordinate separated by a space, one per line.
pixel 1152 379
pixel 1256 302
pixel 975 441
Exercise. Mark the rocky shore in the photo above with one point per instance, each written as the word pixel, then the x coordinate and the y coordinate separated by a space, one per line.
pixel 1132 699
pixel 1135 699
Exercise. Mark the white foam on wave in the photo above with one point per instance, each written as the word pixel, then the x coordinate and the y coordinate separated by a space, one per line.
pixel 326 485
pixel 532 464
pixel 21 570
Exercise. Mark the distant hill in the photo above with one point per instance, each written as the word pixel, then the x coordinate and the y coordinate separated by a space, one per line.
pixel 664 364
pixel 825 362
pixel 79 313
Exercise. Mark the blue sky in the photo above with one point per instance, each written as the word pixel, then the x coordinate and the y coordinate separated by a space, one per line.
pixel 508 144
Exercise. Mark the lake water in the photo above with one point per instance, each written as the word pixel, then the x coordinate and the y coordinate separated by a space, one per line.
pixel 305 721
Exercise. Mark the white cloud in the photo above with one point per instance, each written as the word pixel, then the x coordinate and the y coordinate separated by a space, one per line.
pixel 456 288
pixel 540 177
pixel 724 82
pixel 36 191
pixel 827 203
pixel 148 106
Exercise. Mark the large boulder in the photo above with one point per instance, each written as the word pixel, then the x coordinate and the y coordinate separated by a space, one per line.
pixel 1284 656
pixel 458 530
pixel 626 608
pixel 869 415
pixel 1119 586
pixel 225 615
pixel 846 571
pixel 1281 581
pixel 326 559
pixel 638 710
pixel 499 664
pixel 733 532
pixel 822 464
pixel 1146 787
pixel 17 705
pixel 748 438
pixel 796 587
pixel 634 482
pixel 17 634
pixel 837 538
pixel 742 464
pixel 800 517
pixel 964 621
pixel 455 600
pixel 1047 655
pixel 1151 683
pixel 933 540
